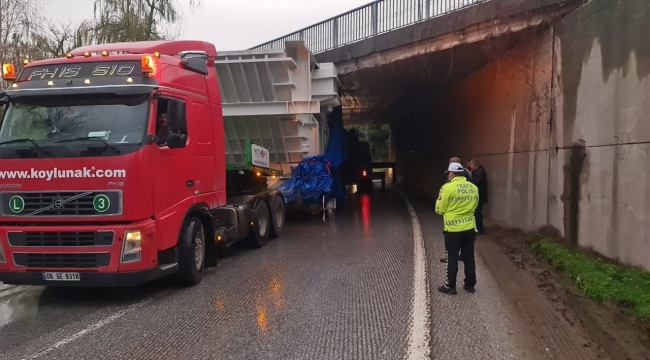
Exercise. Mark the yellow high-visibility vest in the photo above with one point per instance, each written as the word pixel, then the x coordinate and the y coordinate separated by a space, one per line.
pixel 456 203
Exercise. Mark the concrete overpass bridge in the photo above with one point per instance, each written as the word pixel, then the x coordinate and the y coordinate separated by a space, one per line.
pixel 550 95
pixel 389 48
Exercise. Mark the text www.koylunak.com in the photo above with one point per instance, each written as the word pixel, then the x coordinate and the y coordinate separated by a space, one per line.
pixel 63 174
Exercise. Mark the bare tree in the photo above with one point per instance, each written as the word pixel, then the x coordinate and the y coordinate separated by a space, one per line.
pixel 135 20
pixel 56 39
pixel 26 34
pixel 19 22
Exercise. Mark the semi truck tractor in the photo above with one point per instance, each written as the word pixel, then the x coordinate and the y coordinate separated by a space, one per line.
pixel 113 169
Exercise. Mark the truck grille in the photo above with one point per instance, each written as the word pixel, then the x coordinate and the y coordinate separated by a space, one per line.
pixel 62 260
pixel 62 204
pixel 63 238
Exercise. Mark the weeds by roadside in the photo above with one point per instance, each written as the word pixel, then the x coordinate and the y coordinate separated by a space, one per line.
pixel 597 279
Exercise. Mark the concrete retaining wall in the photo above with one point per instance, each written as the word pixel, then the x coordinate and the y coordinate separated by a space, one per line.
pixel 562 126
pixel 605 107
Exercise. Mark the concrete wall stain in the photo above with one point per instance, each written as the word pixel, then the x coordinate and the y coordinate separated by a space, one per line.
pixel 573 168
pixel 612 244
pixel 621 27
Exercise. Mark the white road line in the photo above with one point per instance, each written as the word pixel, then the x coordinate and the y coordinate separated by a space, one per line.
pixel 6 290
pixel 419 332
pixel 89 329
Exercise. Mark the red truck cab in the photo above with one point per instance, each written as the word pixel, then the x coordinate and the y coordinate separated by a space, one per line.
pixel 112 168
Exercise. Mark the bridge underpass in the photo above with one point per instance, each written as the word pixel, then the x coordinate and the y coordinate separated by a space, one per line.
pixel 473 81
pixel 549 99
pixel 527 87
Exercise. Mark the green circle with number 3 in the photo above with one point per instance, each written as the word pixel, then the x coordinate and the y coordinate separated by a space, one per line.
pixel 101 203
pixel 16 204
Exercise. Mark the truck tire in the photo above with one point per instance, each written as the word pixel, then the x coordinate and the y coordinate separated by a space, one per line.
pixel 191 252
pixel 259 235
pixel 278 217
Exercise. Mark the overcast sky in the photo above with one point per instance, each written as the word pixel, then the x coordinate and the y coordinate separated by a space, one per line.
pixel 230 24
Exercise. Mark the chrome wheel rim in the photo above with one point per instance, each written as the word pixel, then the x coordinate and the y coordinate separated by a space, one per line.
pixel 262 223
pixel 279 218
pixel 198 250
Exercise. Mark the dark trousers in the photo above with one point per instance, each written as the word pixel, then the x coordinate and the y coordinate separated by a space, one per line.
pixel 456 245
pixel 478 214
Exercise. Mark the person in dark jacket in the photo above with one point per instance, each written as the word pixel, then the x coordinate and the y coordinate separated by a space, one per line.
pixel 479 178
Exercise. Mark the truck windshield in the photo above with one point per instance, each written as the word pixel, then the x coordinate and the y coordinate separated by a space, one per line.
pixel 76 120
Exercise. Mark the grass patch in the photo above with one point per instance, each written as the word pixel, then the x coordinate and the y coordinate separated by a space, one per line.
pixel 597 279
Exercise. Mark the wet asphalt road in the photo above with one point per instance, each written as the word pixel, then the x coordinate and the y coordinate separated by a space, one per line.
pixel 340 290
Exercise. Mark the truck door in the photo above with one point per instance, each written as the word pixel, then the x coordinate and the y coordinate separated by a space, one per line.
pixel 173 168
pixel 200 126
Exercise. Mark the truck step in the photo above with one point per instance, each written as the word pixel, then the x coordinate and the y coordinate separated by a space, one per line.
pixel 168 267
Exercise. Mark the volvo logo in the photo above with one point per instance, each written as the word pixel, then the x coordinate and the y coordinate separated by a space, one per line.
pixel 58 204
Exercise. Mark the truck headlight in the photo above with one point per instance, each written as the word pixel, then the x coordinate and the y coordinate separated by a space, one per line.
pixel 132 246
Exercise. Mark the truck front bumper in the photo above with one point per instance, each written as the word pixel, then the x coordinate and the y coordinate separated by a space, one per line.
pixel 92 251
pixel 130 278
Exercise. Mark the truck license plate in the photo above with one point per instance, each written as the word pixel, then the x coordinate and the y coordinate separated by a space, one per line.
pixel 61 276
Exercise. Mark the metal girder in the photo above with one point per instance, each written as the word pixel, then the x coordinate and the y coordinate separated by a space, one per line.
pixel 272 108
pixel 325 85
pixel 288 139
pixel 251 79
pixel 277 98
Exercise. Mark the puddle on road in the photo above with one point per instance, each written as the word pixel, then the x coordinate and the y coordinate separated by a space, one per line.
pixel 17 305
pixel 5 314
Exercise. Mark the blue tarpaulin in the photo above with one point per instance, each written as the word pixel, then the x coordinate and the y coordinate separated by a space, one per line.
pixel 310 180
pixel 336 154
pixel 336 151
pixel 318 176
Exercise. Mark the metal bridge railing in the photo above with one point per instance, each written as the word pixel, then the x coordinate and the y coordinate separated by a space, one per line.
pixel 367 21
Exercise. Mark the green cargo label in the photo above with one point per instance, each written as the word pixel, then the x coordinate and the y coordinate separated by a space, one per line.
pixel 101 203
pixel 16 204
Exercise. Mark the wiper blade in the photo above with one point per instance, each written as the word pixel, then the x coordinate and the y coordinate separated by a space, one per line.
pixel 26 140
pixel 91 137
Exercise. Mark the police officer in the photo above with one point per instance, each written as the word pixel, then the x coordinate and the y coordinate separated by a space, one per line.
pixel 456 203
pixel 468 175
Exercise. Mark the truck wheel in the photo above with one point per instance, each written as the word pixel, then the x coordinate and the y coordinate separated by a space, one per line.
pixel 191 252
pixel 278 217
pixel 259 235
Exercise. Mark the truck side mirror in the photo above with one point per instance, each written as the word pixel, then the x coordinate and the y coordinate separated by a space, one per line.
pixel 176 141
pixel 176 120
pixel 197 63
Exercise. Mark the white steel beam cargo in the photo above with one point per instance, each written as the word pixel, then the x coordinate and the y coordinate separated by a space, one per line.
pixel 278 98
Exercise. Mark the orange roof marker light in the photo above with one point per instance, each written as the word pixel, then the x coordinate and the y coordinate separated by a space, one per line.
pixel 156 54
pixel 69 55
pixel 86 54
pixel 26 61
pixel 149 65
pixel 8 72
pixel 104 53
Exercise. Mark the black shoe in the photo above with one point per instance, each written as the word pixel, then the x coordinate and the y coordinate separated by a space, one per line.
pixel 446 290
pixel 469 289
